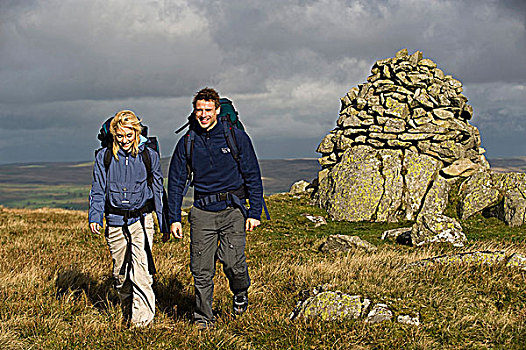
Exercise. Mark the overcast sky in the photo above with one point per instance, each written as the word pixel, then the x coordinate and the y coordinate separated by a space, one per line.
pixel 66 66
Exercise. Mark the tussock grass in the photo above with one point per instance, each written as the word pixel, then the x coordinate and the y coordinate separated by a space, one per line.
pixel 57 293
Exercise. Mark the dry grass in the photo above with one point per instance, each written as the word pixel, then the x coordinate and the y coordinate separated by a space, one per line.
pixel 56 288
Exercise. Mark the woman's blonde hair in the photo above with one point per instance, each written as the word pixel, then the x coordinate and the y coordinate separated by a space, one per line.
pixel 126 119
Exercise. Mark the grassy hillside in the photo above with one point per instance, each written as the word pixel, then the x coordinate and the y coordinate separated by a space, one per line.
pixel 56 289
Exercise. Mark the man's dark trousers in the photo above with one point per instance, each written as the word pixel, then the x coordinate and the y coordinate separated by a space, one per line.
pixel 216 235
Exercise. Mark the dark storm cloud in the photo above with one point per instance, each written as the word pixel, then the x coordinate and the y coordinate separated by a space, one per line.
pixel 65 66
pixel 471 38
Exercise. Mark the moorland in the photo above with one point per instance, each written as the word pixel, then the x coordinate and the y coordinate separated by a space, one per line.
pixel 57 293
pixel 66 184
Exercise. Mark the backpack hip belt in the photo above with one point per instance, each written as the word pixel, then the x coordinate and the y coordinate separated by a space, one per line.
pixel 229 197
pixel 148 207
pixel 239 192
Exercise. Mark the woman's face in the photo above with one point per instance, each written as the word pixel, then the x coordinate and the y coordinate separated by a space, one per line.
pixel 125 138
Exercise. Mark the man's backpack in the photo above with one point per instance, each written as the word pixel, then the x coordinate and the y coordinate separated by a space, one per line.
pixel 227 111
pixel 229 118
pixel 106 142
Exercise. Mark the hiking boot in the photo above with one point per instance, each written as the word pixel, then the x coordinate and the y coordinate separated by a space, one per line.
pixel 203 326
pixel 240 303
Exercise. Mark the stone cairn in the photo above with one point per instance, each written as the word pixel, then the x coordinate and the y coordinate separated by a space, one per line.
pixel 400 139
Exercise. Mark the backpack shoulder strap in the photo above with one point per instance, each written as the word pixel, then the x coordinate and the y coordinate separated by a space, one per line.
pixel 230 136
pixel 189 139
pixel 145 156
pixel 107 159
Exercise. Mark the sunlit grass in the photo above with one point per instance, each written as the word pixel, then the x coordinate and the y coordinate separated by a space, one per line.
pixel 57 291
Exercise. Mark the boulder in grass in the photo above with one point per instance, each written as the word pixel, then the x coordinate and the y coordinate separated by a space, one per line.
pixel 300 187
pixel 344 243
pixel 513 205
pixel 407 319
pixel 379 313
pixel 517 260
pixel 394 233
pixel 477 193
pixel 437 229
pixel 329 306
pixel 318 220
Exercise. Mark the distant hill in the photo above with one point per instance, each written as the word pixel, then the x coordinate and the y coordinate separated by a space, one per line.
pixel 517 164
pixel 66 185
pixel 278 174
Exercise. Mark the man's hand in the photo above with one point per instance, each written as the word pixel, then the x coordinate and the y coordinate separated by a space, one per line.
pixel 177 230
pixel 251 224
pixel 95 228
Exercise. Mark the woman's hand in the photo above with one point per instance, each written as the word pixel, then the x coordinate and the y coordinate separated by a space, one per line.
pixel 95 228
pixel 177 230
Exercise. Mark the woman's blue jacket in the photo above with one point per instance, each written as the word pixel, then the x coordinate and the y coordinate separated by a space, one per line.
pixel 124 185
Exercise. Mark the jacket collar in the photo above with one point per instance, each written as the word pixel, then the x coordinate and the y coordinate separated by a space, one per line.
pixel 216 129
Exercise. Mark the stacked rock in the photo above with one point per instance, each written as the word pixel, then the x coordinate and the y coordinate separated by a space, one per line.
pixel 407 103
pixel 400 139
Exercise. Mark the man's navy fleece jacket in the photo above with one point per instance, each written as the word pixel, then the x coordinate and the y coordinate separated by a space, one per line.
pixel 215 170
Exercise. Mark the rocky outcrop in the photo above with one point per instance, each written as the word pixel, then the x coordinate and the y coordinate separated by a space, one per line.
pixel 502 195
pixel 489 258
pixel 400 139
pixel 327 305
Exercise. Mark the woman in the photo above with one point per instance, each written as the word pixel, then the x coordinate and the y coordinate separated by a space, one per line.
pixel 121 192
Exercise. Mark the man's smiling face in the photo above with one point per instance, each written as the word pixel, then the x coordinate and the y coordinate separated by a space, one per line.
pixel 206 113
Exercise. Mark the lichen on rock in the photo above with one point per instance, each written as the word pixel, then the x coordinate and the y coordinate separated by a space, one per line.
pixel 432 228
pixel 329 306
pixel 394 134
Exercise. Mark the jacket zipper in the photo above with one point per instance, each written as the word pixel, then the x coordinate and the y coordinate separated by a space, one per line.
pixel 207 140
pixel 125 177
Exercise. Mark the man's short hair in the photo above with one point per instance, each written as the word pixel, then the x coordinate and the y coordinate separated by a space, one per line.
pixel 207 94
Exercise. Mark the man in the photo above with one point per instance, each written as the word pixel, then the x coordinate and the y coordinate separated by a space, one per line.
pixel 218 219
